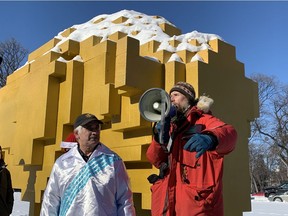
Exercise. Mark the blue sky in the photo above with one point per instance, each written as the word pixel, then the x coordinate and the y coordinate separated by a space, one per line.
pixel 257 29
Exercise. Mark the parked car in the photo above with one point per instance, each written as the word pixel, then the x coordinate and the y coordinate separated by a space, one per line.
pixel 279 197
pixel 271 191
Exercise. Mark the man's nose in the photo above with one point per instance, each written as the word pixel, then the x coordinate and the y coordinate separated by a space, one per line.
pixel 95 131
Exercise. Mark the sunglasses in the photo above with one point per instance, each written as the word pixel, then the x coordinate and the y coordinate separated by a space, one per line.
pixel 92 126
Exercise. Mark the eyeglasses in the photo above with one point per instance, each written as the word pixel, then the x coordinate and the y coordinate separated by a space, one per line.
pixel 92 126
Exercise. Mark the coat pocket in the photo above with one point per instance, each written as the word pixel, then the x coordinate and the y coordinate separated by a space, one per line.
pixel 159 197
pixel 189 159
pixel 200 196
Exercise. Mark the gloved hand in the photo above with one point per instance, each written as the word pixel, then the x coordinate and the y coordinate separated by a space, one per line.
pixel 200 143
pixel 166 129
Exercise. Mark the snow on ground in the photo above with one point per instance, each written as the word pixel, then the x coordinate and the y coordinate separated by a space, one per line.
pixel 20 208
pixel 260 207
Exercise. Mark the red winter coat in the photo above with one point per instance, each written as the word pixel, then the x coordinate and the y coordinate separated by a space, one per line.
pixel 191 186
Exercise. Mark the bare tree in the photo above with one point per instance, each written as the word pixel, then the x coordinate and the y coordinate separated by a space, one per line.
pixel 270 130
pixel 12 54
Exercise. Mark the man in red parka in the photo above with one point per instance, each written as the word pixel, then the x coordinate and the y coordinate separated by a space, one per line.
pixel 191 157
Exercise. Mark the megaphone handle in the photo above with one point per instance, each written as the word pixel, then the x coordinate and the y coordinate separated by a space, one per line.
pixel 163 109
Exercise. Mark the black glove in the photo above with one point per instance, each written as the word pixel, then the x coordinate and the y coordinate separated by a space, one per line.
pixel 200 143
pixel 166 129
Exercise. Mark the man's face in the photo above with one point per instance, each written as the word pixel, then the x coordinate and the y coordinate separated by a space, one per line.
pixel 179 101
pixel 89 135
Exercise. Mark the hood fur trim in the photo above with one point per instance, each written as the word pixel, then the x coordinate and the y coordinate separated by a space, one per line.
pixel 205 103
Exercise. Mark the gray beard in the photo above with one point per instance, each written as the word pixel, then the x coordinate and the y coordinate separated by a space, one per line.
pixel 183 109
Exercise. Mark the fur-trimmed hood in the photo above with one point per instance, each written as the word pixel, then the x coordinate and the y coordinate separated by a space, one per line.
pixel 204 103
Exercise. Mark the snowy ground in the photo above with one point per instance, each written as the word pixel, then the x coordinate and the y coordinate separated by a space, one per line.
pixel 260 207
pixel 20 208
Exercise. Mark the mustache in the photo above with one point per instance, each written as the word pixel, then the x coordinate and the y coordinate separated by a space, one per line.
pixel 93 137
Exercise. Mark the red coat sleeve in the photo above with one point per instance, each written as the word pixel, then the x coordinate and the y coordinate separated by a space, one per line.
pixel 156 154
pixel 225 133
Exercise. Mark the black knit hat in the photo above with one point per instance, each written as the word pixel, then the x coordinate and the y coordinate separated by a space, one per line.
pixel 186 89
pixel 85 118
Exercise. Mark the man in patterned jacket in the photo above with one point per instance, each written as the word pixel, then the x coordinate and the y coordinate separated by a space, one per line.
pixel 89 179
